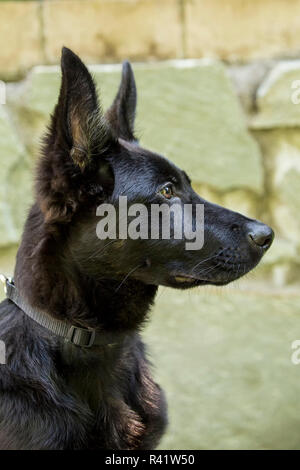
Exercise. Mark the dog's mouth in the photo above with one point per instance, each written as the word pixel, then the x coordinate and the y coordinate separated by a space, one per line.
pixel 191 281
pixel 224 266
pixel 221 276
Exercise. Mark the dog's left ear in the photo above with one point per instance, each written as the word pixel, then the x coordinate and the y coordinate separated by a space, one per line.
pixel 78 121
pixel 121 114
pixel 75 147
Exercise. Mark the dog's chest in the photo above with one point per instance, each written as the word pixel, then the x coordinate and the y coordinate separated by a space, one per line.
pixel 115 424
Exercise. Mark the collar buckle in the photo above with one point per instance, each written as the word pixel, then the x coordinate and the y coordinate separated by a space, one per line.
pixel 83 337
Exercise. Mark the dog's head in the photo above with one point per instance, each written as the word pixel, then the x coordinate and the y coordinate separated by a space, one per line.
pixel 91 158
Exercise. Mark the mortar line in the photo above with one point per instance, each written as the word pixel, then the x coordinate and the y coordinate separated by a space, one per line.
pixel 41 19
pixel 182 18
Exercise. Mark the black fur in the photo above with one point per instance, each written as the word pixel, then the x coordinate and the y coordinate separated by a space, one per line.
pixel 54 395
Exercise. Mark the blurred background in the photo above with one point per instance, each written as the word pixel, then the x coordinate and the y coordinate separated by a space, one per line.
pixel 217 84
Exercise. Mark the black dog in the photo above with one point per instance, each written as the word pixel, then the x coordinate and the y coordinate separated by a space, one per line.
pixel 57 394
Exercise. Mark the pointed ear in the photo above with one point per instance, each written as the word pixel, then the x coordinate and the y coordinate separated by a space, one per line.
pixel 121 114
pixel 78 120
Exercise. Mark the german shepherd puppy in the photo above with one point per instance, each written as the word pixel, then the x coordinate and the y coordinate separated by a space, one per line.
pixel 54 394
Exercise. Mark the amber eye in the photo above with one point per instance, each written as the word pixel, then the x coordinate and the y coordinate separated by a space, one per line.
pixel 167 191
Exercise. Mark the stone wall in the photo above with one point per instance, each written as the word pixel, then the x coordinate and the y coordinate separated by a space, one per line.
pixel 242 153
pixel 32 32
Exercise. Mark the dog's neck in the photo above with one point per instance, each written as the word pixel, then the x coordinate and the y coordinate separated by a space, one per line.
pixel 116 309
pixel 53 284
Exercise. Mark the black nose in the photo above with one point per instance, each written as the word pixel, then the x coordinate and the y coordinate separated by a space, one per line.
pixel 260 235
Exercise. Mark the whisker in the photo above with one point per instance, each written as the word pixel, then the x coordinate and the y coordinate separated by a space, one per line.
pixel 207 259
pixel 211 268
pixel 127 276
pixel 100 251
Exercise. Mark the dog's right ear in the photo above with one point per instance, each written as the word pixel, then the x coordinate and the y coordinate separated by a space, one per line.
pixel 121 114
